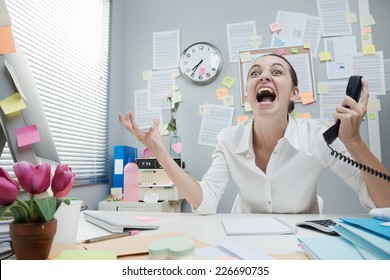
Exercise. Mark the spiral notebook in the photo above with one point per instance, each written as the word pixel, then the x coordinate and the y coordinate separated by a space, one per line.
pixel 256 226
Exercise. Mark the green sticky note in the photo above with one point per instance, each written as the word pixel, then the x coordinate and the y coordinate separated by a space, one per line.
pixel 228 81
pixel 294 50
pixel 87 255
pixel 372 116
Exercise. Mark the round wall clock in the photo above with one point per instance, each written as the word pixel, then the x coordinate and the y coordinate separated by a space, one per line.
pixel 201 63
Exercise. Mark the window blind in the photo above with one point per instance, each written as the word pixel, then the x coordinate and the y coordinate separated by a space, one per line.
pixel 67 45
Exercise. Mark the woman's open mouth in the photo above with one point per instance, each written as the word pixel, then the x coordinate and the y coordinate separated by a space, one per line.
pixel 265 95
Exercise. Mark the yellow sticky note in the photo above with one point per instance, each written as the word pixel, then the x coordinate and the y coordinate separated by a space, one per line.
pixel 164 129
pixel 12 104
pixel 368 49
pixel 176 97
pixel 174 73
pixel 228 81
pixel 7 44
pixel 87 255
pixel 256 40
pixel 307 46
pixel 323 88
pixel 147 75
pixel 204 110
pixel 350 18
pixel 374 105
pixel 245 56
pixel 325 56
pixel 242 118
pixel 228 100
pixel 221 93
pixel 275 27
pixel 368 20
pixel 247 107
pixel 294 50
pixel 306 98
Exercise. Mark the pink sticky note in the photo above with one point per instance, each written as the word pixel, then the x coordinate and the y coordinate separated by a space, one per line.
pixel 275 27
pixel 202 70
pixel 177 148
pixel 26 136
pixel 146 218
pixel 282 52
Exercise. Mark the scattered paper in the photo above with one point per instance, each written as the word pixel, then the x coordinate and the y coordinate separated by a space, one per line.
pixel 219 118
pixel 166 49
pixel 143 115
pixel 372 69
pixel 332 18
pixel 339 49
pixel 158 86
pixel 239 38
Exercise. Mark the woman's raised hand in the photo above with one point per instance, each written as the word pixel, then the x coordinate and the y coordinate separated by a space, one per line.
pixel 151 138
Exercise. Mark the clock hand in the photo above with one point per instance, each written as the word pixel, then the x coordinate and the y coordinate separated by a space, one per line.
pixel 196 66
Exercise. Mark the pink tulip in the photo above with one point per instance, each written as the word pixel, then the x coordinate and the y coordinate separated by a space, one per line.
pixel 9 188
pixel 33 179
pixel 62 181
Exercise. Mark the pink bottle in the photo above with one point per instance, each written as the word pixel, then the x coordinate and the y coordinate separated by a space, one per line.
pixel 130 182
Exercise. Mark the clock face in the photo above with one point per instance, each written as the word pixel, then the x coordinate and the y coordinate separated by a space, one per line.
pixel 201 63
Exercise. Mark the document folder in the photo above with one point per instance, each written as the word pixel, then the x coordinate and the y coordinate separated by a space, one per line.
pixel 371 224
pixel 122 155
pixel 333 248
pixel 360 239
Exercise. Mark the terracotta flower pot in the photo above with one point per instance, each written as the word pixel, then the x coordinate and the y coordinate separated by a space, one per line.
pixel 32 241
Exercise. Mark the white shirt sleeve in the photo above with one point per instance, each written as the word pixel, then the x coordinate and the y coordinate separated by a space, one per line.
pixel 214 183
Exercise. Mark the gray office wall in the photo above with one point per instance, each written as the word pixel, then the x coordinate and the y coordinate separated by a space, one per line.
pixel 205 20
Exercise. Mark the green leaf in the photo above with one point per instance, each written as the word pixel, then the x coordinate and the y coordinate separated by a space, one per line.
pixel 3 209
pixel 47 207
pixel 19 213
pixel 172 125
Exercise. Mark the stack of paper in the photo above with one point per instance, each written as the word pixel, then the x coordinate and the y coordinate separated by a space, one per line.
pixel 256 226
pixel 360 239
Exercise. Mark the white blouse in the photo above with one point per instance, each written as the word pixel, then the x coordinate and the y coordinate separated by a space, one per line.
pixel 290 182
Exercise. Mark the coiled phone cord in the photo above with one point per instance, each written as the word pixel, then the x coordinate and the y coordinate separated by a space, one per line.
pixel 359 165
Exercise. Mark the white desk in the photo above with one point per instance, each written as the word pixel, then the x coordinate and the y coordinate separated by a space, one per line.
pixel 209 229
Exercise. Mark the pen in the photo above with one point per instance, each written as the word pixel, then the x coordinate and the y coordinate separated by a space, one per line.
pixel 111 236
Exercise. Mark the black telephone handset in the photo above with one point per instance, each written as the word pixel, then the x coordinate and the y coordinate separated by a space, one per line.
pixel 354 88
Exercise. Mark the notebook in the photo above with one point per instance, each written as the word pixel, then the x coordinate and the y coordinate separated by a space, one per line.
pixel 256 226
pixel 116 221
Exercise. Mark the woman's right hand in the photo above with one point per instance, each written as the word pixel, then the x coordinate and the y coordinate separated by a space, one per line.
pixel 151 138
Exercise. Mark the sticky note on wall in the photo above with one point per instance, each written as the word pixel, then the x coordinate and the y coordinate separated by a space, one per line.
pixel 26 136
pixel 7 44
pixel 12 104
